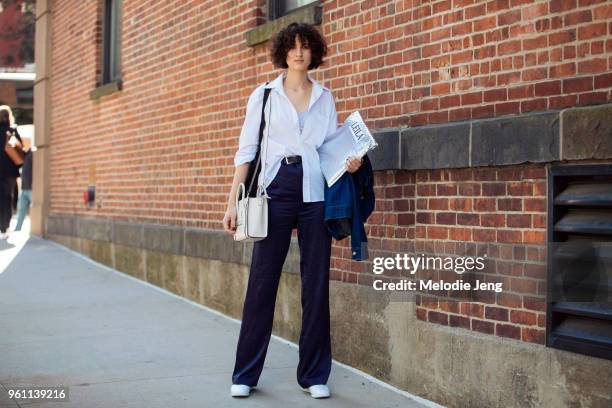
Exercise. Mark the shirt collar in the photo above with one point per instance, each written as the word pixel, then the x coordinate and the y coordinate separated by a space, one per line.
pixel 317 88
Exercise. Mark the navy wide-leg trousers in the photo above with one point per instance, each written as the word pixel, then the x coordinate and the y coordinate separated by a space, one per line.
pixel 286 210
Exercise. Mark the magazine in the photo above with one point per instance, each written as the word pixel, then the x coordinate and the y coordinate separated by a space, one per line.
pixel 353 138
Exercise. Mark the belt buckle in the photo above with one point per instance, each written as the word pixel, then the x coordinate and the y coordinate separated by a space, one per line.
pixel 286 158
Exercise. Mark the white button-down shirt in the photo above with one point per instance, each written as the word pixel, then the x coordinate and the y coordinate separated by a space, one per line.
pixel 285 138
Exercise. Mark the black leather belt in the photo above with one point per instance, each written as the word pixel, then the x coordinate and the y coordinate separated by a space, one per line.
pixel 292 159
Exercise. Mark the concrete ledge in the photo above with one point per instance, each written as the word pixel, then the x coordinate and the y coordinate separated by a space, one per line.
pixel 199 243
pixel 526 138
pixel 439 146
pixel 106 89
pixel 587 132
pixel 571 134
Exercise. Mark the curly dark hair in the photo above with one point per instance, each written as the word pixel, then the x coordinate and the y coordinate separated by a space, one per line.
pixel 284 40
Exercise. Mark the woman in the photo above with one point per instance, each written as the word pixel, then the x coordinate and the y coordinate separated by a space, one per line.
pixel 9 171
pixel 301 113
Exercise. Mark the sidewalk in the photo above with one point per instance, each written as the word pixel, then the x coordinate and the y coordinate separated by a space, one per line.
pixel 118 342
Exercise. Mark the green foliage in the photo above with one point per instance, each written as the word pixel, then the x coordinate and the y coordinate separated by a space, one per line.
pixel 24 30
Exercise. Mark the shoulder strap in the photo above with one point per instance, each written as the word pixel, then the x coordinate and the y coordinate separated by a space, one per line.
pixel 254 173
pixel 263 118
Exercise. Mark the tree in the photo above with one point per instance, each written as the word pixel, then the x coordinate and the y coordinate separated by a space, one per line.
pixel 23 33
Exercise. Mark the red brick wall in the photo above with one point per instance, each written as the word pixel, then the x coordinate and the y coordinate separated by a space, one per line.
pixel 420 62
pixel 500 212
pixel 161 150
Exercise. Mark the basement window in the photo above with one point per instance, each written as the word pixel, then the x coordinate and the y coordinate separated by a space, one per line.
pixel 579 289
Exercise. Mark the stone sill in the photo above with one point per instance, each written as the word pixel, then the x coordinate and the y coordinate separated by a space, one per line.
pixel 311 14
pixel 581 133
pixel 106 89
pixel 193 242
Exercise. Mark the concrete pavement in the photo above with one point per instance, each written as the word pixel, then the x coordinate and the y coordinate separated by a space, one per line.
pixel 116 341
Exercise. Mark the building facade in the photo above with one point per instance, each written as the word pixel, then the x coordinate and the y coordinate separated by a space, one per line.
pixel 494 123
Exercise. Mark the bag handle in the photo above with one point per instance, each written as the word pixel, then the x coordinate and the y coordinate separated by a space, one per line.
pixel 254 173
pixel 263 171
pixel 239 193
pixel 265 150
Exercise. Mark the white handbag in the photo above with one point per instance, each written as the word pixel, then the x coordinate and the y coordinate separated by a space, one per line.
pixel 252 212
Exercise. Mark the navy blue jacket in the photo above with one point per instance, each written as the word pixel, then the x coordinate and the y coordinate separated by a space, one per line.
pixel 348 204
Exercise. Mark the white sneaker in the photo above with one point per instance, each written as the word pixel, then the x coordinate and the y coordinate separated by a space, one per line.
pixel 241 390
pixel 318 391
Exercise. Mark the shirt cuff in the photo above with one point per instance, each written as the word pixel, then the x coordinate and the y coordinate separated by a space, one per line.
pixel 241 159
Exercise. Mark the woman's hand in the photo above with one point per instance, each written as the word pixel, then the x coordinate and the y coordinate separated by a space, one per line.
pixel 353 164
pixel 229 220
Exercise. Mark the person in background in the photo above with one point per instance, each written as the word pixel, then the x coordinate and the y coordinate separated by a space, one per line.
pixel 25 199
pixel 14 198
pixel 9 171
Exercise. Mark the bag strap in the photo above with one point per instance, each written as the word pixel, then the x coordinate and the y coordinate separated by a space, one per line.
pixel 263 171
pixel 255 171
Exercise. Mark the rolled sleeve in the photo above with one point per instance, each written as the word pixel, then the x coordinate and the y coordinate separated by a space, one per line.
pixel 249 135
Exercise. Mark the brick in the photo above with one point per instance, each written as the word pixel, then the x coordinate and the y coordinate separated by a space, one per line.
pixel 509 236
pixel 534 205
pixel 446 189
pixel 472 309
pixel 437 233
pixel 558 6
pixel 509 300
pixel 561 37
pixel 591 31
pixel 484 204
pixel 493 189
pixel 509 204
pixel 460 234
pixel 534 237
pixel 547 88
pixel 509 17
pixel 518 220
pixel 496 313
pixel 446 218
pixel 593 66
pixel 520 285
pixel 425 217
pixel 459 321
pixel 469 189
pixel 532 303
pixel 460 204
pixel 523 317
pixel 468 219
pixel 533 335
pixel 483 326
pixel 582 16
pixel 437 317
pixel 492 220
pixel 450 306
pixel 484 235
pixel 508 330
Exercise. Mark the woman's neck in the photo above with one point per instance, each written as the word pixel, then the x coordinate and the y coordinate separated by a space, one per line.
pixel 297 80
